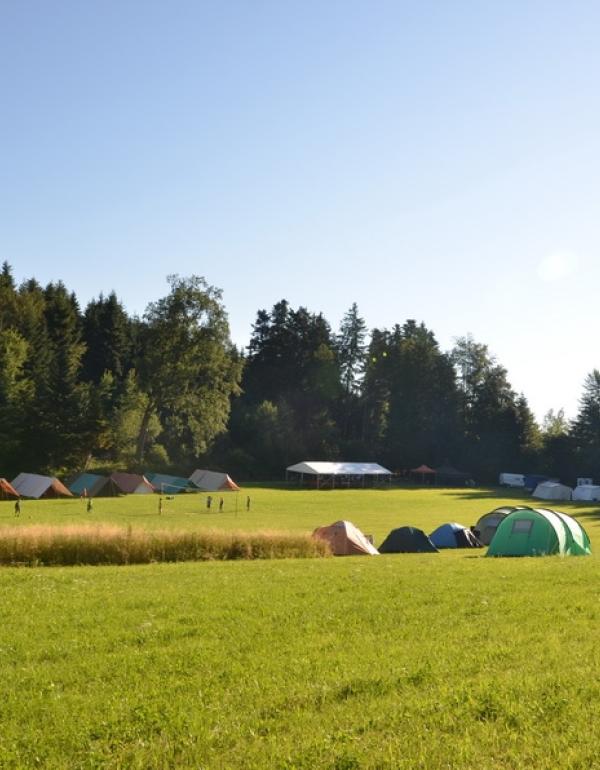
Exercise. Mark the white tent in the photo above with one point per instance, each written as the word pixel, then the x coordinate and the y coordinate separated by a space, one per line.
pixel 213 481
pixel 552 490
pixel 511 480
pixel 339 474
pixel 345 539
pixel 36 486
pixel 586 492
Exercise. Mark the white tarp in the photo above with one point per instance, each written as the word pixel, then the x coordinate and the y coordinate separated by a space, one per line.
pixel 36 486
pixel 586 492
pixel 318 468
pixel 552 490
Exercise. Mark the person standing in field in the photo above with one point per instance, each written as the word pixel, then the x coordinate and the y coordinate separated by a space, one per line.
pixel 208 502
pixel 160 505
pixel 17 507
pixel 248 503
pixel 220 505
pixel 89 505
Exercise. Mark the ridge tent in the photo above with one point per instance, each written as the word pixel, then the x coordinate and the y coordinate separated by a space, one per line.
pixel 586 492
pixel 453 535
pixel 552 490
pixel 35 486
pixel 93 485
pixel 339 474
pixel 407 540
pixel 345 539
pixel 170 485
pixel 539 532
pixel 131 484
pixel 7 490
pixel 488 523
pixel 213 481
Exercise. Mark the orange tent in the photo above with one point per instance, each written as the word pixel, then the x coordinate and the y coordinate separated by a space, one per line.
pixel 345 539
pixel 7 490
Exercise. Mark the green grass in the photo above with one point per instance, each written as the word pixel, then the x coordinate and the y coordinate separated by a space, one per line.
pixel 446 660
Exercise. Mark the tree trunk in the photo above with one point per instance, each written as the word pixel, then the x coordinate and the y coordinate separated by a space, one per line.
pixel 143 434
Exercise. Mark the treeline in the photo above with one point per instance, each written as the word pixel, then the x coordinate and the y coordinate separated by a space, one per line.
pixel 169 391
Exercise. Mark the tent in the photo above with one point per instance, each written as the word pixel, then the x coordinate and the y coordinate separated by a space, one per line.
pixel 539 532
pixel 486 527
pixel 93 485
pixel 131 484
pixel 511 480
pixel 454 535
pixel 36 486
pixel 447 475
pixel 345 539
pixel 407 540
pixel 213 481
pixel 425 472
pixel 170 485
pixel 340 474
pixel 531 480
pixel 586 492
pixel 552 490
pixel 7 490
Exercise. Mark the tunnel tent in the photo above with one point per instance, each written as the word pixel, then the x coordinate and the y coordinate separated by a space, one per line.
pixel 345 539
pixel 539 532
pixel 407 540
pixel 36 486
pixel 7 490
pixel 213 481
pixel 486 526
pixel 453 535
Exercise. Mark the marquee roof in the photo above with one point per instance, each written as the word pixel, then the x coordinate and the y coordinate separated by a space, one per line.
pixel 318 468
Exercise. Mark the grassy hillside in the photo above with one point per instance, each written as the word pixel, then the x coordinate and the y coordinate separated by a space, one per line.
pixel 446 660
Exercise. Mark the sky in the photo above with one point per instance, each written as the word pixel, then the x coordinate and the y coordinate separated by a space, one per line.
pixel 428 160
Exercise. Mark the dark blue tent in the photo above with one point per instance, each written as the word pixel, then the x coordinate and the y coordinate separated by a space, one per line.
pixel 454 535
pixel 407 540
pixel 531 480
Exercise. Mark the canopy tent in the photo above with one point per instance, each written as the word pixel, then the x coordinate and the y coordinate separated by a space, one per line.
pixel 93 485
pixel 170 485
pixel 341 474
pixel 35 486
pixel 552 490
pixel 7 490
pixel 407 540
pixel 345 539
pixel 486 527
pixel 586 492
pixel 539 532
pixel 453 535
pixel 425 472
pixel 447 475
pixel 213 481
pixel 131 484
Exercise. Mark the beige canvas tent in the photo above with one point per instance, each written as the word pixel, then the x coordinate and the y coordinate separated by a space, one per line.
pixel 213 481
pixel 345 539
pixel 552 490
pixel 35 486
pixel 131 484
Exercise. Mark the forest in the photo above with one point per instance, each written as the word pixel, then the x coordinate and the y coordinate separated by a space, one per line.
pixel 97 388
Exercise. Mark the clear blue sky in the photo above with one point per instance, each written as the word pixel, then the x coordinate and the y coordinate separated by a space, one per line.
pixel 437 161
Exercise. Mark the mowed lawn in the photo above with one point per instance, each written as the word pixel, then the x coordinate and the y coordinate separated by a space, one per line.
pixel 446 660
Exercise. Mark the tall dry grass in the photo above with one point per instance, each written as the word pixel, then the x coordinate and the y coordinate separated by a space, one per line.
pixel 102 544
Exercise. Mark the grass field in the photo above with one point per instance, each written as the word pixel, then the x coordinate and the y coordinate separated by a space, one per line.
pixel 446 660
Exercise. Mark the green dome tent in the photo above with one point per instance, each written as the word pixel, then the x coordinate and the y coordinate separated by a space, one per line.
pixel 539 532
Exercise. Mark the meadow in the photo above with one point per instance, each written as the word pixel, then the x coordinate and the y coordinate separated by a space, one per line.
pixel 444 660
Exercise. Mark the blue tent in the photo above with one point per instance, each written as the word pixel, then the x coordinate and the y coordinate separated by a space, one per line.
pixel 531 480
pixel 454 535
